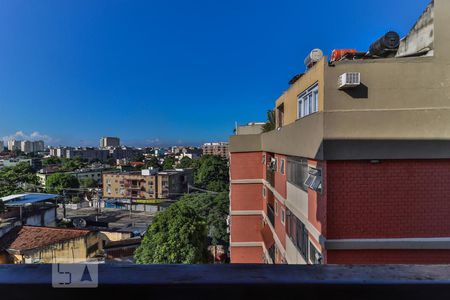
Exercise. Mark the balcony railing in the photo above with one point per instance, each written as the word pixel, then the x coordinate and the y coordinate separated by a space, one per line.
pixel 271 215
pixel 241 281
pixel 270 177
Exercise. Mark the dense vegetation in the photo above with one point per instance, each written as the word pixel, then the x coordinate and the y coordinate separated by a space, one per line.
pixel 17 179
pixel 65 164
pixel 182 233
pixel 58 181
pixel 211 173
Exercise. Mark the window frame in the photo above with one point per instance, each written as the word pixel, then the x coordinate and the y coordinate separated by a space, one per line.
pixel 283 216
pixel 297 172
pixel 283 166
pixel 298 233
pixel 308 101
pixel 276 208
pixel 314 179
pixel 264 192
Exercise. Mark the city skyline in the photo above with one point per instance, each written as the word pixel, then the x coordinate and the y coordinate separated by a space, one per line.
pixel 106 68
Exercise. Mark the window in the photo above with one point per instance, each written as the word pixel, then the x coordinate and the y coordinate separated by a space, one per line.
pixel 314 180
pixel 273 164
pixel 308 101
pixel 282 166
pixel 280 116
pixel 264 192
pixel 297 172
pixel 276 164
pixel 108 190
pixel 276 208
pixel 264 159
pixel 283 215
pixel 314 255
pixel 297 233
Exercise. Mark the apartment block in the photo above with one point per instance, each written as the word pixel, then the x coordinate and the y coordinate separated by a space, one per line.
pixel 81 174
pixel 358 169
pixel 147 185
pixel 106 142
pixel 88 154
pixel 14 145
pixel 26 146
pixel 219 149
pixel 125 153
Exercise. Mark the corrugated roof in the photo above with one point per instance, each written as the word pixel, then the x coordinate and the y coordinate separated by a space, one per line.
pixel 21 199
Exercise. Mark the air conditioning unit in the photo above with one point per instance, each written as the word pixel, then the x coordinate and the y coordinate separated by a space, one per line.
pixel 349 80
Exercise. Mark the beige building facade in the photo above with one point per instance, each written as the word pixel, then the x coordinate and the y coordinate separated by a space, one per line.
pixel 147 185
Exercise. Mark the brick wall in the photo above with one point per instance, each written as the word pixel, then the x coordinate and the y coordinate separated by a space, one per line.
pixel 396 198
pixel 247 255
pixel 317 201
pixel 280 228
pixel 280 179
pixel 246 228
pixel 246 197
pixel 388 257
pixel 246 165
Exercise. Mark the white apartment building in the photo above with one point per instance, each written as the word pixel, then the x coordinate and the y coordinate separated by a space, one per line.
pixel 14 145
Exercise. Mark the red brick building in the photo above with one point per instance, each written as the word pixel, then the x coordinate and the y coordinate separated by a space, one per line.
pixel 355 173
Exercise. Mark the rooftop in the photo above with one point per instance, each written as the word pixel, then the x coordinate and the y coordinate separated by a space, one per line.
pixel 30 237
pixel 28 198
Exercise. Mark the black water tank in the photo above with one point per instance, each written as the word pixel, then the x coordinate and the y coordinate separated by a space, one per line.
pixel 385 45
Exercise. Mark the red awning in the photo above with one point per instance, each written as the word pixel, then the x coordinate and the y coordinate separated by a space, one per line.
pixel 267 237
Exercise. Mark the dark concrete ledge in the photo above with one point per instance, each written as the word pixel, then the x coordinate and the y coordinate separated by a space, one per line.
pixel 235 282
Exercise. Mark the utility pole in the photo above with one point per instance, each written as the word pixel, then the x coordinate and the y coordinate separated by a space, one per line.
pixel 64 203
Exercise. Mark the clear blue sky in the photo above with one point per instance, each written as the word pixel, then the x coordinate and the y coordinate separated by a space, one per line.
pixel 166 72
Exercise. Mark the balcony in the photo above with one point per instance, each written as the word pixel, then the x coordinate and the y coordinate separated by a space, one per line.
pixel 271 215
pixel 235 282
pixel 270 177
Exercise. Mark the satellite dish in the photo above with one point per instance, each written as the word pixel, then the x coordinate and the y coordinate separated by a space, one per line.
pixel 79 222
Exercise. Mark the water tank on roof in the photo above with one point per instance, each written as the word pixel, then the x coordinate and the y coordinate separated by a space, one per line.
pixel 385 45
pixel 314 56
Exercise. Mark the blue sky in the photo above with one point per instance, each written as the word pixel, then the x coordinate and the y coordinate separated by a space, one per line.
pixel 166 72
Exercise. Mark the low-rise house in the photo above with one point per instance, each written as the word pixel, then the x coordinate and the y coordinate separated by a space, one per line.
pixel 30 244
pixel 31 209
pixel 35 163
pixel 81 174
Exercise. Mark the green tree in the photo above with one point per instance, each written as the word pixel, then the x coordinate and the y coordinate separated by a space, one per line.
pixel 88 183
pixel 57 182
pixel 270 124
pixel 52 160
pixel 211 168
pixel 72 164
pixel 185 162
pixel 17 179
pixel 139 157
pixel 177 235
pixel 111 161
pixel 169 162
pixel 152 162
pixel 214 208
